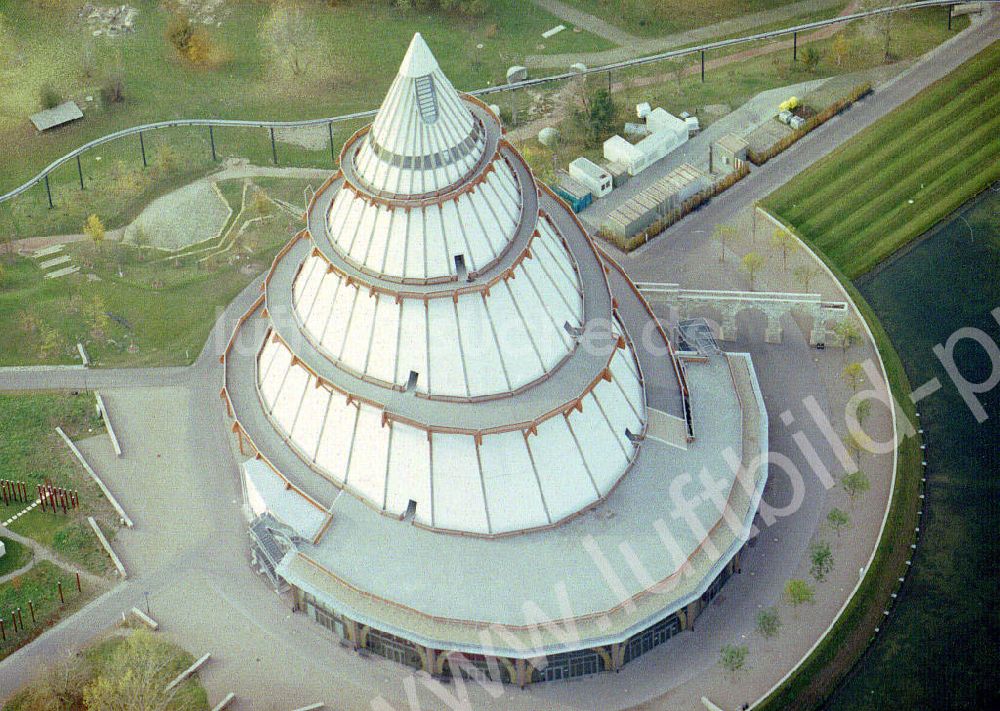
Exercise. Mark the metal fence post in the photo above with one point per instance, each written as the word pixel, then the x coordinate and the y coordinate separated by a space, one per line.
pixel 79 170
pixel 211 138
pixel 142 148
pixel 48 190
pixel 795 46
pixel 333 154
pixel 274 148
pixel 950 8
pixel 703 66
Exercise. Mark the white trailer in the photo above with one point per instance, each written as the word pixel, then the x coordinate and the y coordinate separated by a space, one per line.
pixel 591 176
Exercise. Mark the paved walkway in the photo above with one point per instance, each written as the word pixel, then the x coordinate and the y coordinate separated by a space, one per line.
pixel 190 530
pixel 631 46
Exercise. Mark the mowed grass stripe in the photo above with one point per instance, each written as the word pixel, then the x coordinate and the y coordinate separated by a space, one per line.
pixel 954 192
pixel 981 80
pixel 875 197
pixel 927 134
pixel 938 149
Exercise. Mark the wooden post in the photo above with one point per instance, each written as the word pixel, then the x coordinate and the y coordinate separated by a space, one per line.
pixel 31 608
pixel 3 631
pixel 333 153
pixel 78 587
pixel 62 599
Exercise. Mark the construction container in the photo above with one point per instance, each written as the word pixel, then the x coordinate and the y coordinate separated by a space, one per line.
pixel 576 195
pixel 618 172
pixel 591 176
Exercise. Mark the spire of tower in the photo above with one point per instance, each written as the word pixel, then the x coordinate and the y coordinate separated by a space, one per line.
pixel 424 136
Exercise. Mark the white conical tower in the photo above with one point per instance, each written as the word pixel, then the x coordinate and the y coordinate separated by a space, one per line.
pixel 424 138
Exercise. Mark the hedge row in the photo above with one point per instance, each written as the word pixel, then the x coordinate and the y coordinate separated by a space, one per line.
pixel 627 244
pixel 840 105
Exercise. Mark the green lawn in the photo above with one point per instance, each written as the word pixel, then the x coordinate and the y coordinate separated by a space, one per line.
pixel 31 451
pixel 349 66
pixel 16 557
pixel 39 586
pixel 650 18
pixel 899 177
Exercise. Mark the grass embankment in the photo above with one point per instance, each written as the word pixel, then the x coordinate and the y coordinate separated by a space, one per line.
pixel 902 175
pixel 31 451
pixel 39 587
pixel 126 670
pixel 348 62
pixel 134 306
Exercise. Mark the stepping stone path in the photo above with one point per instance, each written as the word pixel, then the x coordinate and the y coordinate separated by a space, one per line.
pixel 55 262
pixel 52 258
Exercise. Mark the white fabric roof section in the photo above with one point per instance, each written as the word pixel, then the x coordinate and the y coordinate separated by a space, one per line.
pixel 494 484
pixel 474 346
pixel 424 138
pixel 422 242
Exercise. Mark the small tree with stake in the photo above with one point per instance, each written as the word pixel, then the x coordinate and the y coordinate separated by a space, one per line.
pixel 838 520
pixel 725 235
pixel 820 560
pixel 751 265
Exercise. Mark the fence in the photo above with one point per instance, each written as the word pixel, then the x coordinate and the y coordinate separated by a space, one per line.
pixel 140 131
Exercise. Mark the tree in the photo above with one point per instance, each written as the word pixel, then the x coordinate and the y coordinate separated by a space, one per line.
pixel 290 35
pixel 136 676
pixel 96 315
pixel 863 410
pixel 811 57
pixel 725 235
pixel 798 592
pixel 855 484
pixel 805 273
pixel 838 520
pixel 854 375
pixel 848 333
pixel 751 265
pixel 733 657
pixel 820 560
pixel 881 26
pixel 598 116
pixel 786 242
pixel 839 48
pixel 94 229
pixel 768 622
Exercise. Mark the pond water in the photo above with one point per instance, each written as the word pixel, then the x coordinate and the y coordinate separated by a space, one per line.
pixel 939 650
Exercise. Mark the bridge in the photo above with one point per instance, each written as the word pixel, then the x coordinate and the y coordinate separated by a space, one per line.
pixel 729 304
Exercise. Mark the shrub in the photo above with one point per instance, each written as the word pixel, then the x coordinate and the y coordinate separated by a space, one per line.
pixel 179 32
pixel 113 91
pixel 50 97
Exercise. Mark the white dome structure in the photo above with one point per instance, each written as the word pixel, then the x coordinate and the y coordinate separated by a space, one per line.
pixel 443 367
